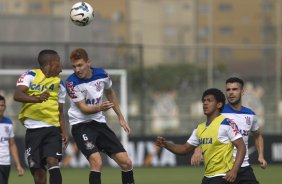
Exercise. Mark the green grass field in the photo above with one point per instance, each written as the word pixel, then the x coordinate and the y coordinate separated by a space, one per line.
pixel 168 175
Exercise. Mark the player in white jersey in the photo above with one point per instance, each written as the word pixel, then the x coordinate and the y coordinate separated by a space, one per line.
pixel 247 124
pixel 86 87
pixel 7 146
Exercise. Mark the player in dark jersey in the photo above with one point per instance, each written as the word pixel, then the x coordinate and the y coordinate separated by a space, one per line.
pixel 86 87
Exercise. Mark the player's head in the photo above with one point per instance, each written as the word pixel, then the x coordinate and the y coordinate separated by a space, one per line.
pixel 234 90
pixel 49 62
pixel 81 63
pixel 213 101
pixel 2 105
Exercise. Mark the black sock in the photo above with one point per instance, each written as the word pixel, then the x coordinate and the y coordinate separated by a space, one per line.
pixel 127 177
pixel 94 177
pixel 55 176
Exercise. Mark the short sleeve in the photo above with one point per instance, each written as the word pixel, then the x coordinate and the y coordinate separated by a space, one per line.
pixel 26 78
pixel 255 125
pixel 193 140
pixel 74 92
pixel 62 92
pixel 108 81
pixel 232 131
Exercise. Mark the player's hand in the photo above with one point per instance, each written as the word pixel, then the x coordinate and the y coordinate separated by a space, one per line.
pixel 106 105
pixel 262 162
pixel 20 170
pixel 160 141
pixel 125 126
pixel 197 157
pixel 43 97
pixel 230 176
pixel 65 140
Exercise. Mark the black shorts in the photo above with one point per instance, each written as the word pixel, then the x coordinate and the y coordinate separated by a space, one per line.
pixel 246 176
pixel 41 143
pixel 94 137
pixel 4 173
pixel 214 180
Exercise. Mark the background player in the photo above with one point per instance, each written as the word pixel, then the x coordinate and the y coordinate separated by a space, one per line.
pixel 86 87
pixel 216 136
pixel 7 146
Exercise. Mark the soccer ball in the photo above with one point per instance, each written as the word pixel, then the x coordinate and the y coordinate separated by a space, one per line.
pixel 81 14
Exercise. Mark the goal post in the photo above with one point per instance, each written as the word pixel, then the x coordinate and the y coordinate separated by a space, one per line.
pixel 121 73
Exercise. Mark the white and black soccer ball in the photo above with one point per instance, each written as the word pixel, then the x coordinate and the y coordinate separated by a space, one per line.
pixel 81 14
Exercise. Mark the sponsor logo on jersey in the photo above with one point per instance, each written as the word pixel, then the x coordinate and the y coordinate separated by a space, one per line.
pixel 6 129
pixel 21 79
pixel 244 132
pixel 206 140
pixel 93 101
pixel 248 120
pixel 233 126
pixel 98 86
pixel 38 87
pixel 70 89
pixel 2 139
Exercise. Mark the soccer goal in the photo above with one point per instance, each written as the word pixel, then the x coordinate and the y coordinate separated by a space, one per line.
pixel 119 76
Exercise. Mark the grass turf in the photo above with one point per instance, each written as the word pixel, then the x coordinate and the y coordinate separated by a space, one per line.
pixel 149 175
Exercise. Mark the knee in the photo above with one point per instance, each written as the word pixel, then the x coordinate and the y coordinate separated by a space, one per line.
pixel 51 162
pixel 126 164
pixel 40 180
pixel 39 176
pixel 95 162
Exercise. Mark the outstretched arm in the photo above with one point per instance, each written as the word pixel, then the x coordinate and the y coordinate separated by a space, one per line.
pixel 260 147
pixel 179 149
pixel 15 155
pixel 111 96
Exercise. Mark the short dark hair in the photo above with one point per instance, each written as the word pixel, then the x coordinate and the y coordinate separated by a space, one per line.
pixel 235 79
pixel 218 95
pixel 2 98
pixel 79 53
pixel 44 56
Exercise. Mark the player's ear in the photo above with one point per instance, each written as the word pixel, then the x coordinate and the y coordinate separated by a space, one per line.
pixel 219 105
pixel 88 62
pixel 242 92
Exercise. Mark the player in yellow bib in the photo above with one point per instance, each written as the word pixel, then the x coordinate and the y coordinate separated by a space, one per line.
pixel 217 137
pixel 42 94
